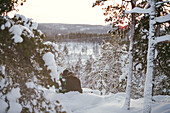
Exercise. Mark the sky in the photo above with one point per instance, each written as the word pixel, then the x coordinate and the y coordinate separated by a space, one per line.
pixel 63 11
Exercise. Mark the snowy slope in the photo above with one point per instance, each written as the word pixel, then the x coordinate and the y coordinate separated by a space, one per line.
pixel 74 102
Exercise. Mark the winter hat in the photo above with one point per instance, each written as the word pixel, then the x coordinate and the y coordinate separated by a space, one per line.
pixel 65 72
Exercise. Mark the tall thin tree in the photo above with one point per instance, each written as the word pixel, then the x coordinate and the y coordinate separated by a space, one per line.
pixel 130 73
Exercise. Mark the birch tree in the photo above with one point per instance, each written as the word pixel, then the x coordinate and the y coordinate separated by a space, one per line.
pixel 151 48
pixel 150 61
pixel 130 73
pixel 150 56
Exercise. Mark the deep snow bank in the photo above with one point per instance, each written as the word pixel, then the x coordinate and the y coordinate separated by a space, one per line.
pixel 74 102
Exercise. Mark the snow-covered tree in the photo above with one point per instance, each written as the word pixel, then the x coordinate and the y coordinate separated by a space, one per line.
pixel 107 68
pixel 115 13
pixel 86 71
pixel 78 67
pixel 27 67
pixel 89 64
pixel 65 50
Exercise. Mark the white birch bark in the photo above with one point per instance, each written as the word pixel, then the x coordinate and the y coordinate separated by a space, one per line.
pixel 129 78
pixel 150 63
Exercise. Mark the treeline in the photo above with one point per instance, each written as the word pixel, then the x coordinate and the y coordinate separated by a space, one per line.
pixel 79 37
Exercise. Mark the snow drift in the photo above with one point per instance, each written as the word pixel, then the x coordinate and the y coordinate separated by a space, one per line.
pixel 88 102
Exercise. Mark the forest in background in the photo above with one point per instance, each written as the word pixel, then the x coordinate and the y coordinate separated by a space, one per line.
pixel 54 30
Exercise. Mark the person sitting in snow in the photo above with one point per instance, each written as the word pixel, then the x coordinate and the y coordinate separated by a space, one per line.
pixel 73 83
pixel 69 82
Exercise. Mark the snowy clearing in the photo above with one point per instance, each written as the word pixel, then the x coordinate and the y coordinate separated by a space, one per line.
pixel 74 102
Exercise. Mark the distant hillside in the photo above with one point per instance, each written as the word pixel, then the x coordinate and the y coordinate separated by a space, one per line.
pixel 51 29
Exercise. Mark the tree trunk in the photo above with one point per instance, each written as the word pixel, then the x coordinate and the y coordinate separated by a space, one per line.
pixel 130 73
pixel 150 61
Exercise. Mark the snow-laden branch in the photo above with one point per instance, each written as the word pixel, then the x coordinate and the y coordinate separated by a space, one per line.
pixel 139 10
pixel 163 19
pixel 49 60
pixel 162 39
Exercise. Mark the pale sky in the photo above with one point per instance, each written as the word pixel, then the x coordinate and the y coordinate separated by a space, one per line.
pixel 63 11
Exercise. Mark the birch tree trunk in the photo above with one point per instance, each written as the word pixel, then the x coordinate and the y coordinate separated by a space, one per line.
pixel 130 73
pixel 150 61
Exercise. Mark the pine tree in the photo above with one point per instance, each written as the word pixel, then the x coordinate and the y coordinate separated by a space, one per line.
pixel 65 50
pixel 22 65
pixel 87 70
pixel 78 67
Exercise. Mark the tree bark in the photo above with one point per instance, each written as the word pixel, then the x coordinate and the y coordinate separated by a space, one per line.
pixel 150 61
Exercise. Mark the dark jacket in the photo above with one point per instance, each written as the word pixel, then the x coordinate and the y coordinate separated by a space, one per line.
pixel 73 84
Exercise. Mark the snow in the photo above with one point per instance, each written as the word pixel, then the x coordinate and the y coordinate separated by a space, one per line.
pixel 20 29
pixel 15 107
pixel 139 66
pixel 8 24
pixel 51 65
pixel 87 102
pixel 2 69
pixel 40 32
pixel 53 44
pixel 162 39
pixel 3 107
pixel 17 31
pixel 122 77
pixel 156 53
pixel 162 19
pixel 30 85
pixel 17 39
pixel 75 50
pixel 86 90
pixel 21 16
pixel 34 26
pixel 14 94
pixel 2 27
pixel 26 21
pixel 138 10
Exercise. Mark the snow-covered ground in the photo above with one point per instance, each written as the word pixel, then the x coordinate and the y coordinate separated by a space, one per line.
pixel 87 102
